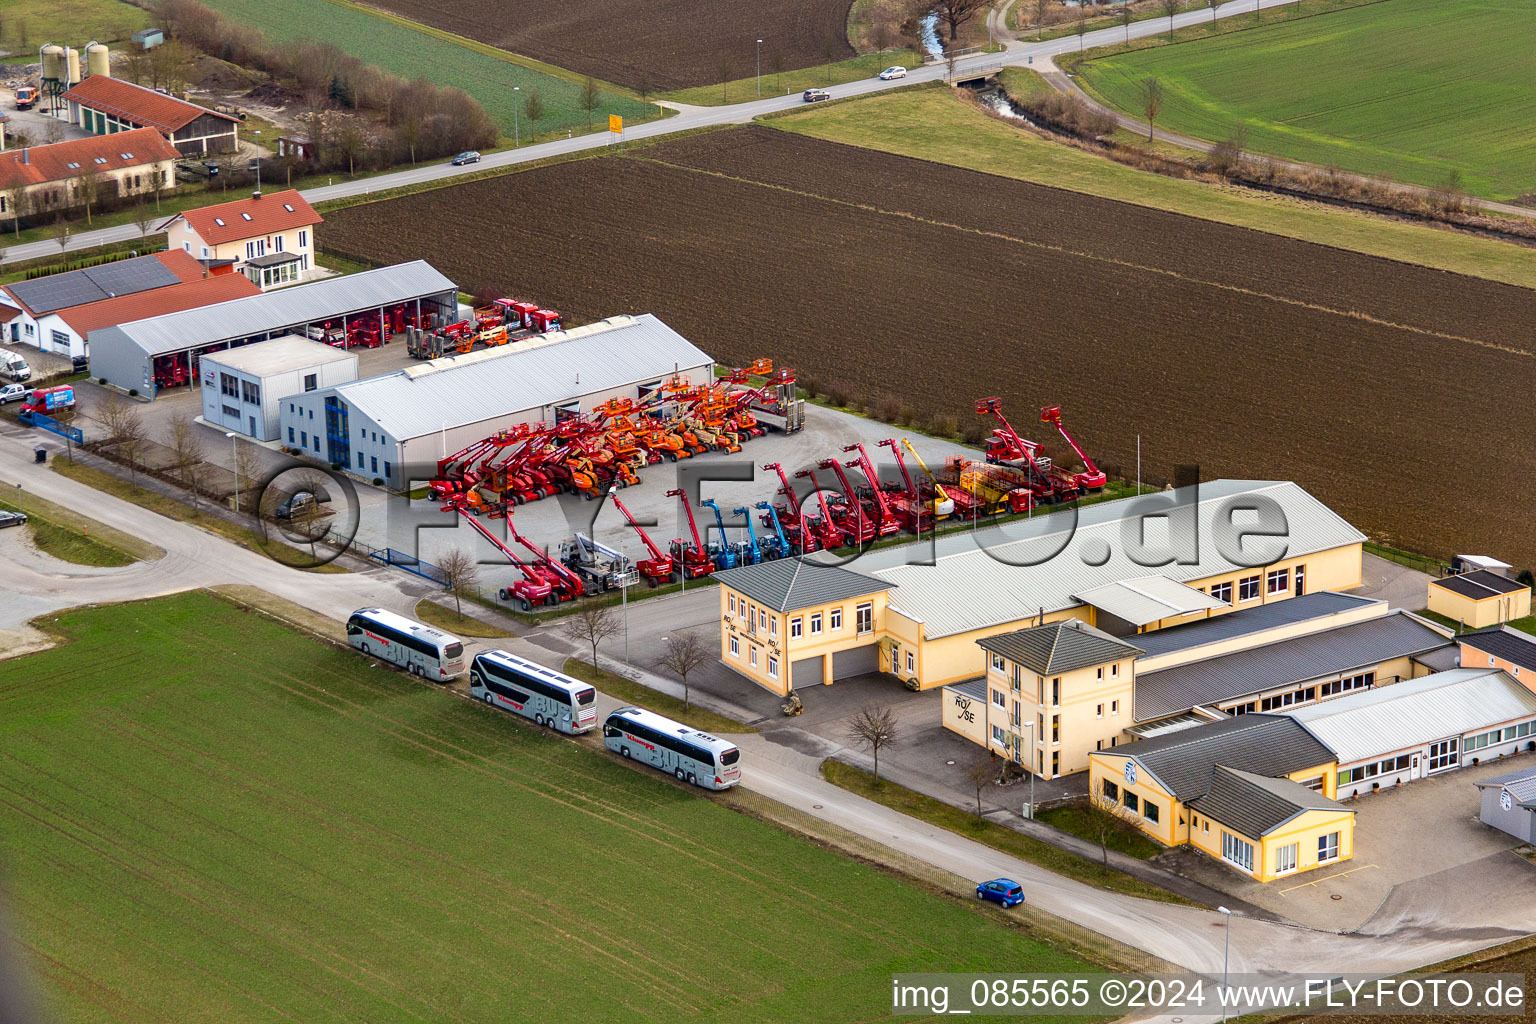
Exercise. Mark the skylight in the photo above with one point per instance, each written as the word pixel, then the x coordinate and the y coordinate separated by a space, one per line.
pixel 73 166
pixel 126 156
pixel 219 221
pixel 288 207
pixel 101 159
pixel 245 216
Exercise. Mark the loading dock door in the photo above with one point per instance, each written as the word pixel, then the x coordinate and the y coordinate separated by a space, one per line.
pixel 856 662
pixel 806 672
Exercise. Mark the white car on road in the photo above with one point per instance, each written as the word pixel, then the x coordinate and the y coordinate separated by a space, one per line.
pixel 891 74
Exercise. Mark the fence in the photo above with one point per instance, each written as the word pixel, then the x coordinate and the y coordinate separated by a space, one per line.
pixel 410 563
pixel 42 421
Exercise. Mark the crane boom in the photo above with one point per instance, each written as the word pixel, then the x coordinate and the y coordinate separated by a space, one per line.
pixel 940 495
pixel 644 537
pixel 1092 478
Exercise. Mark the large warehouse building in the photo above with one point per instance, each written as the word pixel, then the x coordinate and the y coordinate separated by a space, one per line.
pixel 378 426
pixel 147 355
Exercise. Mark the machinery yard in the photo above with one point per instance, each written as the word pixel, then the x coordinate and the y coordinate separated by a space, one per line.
pixel 1138 314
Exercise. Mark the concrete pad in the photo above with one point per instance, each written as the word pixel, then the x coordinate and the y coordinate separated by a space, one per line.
pixel 1398 585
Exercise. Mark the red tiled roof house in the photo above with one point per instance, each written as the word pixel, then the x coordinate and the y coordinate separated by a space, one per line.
pixel 104 105
pixel 270 238
pixel 126 164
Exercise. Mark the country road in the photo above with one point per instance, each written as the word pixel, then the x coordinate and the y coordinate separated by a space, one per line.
pixel 1400 936
pixel 687 118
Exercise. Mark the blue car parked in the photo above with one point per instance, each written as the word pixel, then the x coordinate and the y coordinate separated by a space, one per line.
pixel 1001 890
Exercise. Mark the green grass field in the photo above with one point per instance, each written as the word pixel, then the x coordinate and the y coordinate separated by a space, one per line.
pixel 205 816
pixel 934 124
pixel 1410 89
pixel 25 25
pixel 396 47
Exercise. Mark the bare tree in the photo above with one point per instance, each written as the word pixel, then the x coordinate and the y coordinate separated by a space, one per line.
pixel 591 625
pixel 1081 27
pixel 644 88
pixel 776 62
pixel 1170 8
pixel 1126 17
pixel 1106 821
pixel 54 132
pixel 533 107
pixel 125 430
pixel 61 234
pixel 1041 6
pixel 1212 5
pixel 135 66
pixel 186 442
pixel 590 98
pixel 463 574
pixel 874 728
pixel 349 143
pixel 683 653
pixel 247 468
pixel 1151 103
pixel 981 771
pixel 409 134
pixel 955 13
pixel 19 200
pixel 143 219
pixel 306 516
pixel 725 76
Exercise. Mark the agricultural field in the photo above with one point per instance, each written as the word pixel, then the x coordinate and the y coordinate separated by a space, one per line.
pixel 207 817
pixel 1408 89
pixel 24 25
pixel 407 52
pixel 670 45
pixel 1373 383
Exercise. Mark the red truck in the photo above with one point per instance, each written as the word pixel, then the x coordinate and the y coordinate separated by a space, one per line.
pixel 26 97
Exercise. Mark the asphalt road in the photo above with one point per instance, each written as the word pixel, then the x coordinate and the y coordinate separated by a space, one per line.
pixel 688 117
pixel 1186 936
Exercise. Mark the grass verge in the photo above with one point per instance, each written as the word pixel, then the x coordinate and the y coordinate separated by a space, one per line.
pixel 632 692
pixel 95 540
pixel 173 509
pixel 934 124
pixel 1525 625
pixel 1073 819
pixel 1006 840
pixel 434 614
pixel 69 544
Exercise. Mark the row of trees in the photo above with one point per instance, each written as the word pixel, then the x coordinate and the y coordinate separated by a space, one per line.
pixel 418 118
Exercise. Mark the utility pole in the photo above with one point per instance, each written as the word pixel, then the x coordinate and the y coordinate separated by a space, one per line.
pixel 516 132
pixel 235 455
pixel 759 69
pixel 1225 954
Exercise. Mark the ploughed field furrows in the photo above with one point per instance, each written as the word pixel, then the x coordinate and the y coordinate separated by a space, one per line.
pixel 662 44
pixel 1396 393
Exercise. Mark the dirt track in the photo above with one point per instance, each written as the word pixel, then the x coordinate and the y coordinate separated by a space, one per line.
pixel 1398 394
pixel 665 44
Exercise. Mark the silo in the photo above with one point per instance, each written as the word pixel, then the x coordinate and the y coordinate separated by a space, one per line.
pixel 98 60
pixel 72 65
pixel 53 63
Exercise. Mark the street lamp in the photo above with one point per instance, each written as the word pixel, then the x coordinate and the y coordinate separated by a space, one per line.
pixel 623 585
pixel 1224 912
pixel 759 68
pixel 234 454
pixel 516 134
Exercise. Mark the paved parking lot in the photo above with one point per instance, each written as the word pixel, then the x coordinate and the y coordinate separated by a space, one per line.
pixel 1415 842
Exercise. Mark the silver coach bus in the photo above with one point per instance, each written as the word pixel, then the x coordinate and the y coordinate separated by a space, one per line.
pixel 417 648
pixel 526 688
pixel 694 757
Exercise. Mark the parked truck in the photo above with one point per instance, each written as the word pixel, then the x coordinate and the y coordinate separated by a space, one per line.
pixel 13 367
pixel 26 97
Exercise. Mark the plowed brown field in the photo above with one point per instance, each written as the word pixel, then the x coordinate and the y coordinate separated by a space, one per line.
pixel 1399 395
pixel 665 44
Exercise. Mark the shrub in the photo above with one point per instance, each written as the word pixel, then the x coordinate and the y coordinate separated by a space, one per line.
pixel 838 396
pixel 101 380
pixel 891 409
pixel 133 392
pixel 378 481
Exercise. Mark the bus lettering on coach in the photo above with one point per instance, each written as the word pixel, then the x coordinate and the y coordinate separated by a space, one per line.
pixel 694 757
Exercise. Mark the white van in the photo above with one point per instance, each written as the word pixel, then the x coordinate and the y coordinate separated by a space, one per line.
pixel 13 367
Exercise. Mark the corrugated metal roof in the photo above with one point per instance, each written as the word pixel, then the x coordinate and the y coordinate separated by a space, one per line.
pixel 278 310
pixel 1010 572
pixel 1059 647
pixel 551 369
pixel 1268 745
pixel 289 352
pixel 1479 584
pixel 1521 785
pixel 1256 805
pixel 789 584
pixel 1148 599
pixel 1247 621
pixel 1364 725
pixel 1512 645
pixel 1283 663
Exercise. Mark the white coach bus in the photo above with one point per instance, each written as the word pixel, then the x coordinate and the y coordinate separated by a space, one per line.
pixel 694 757
pixel 417 648
pixel 529 689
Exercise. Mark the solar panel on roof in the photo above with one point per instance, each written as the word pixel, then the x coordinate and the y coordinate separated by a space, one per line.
pixel 131 276
pixel 57 291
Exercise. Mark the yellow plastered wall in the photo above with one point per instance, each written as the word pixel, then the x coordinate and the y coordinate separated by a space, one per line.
pixel 1335 569
pixel 1471 657
pixel 953 659
pixel 1303 831
pixel 1490 611
pixel 766 647
pixel 1081 711
pixel 1110 766
pixel 965 715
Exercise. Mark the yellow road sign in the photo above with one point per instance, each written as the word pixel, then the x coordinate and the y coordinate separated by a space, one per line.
pixel 615 123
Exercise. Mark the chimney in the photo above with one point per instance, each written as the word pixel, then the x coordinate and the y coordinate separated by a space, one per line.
pixel 26 155
pixel 256 194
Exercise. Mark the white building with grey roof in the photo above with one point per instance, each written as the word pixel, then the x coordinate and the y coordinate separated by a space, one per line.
pixel 398 424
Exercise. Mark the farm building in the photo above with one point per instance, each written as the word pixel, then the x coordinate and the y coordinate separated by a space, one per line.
pixel 1051 696
pixel 244 387
pixel 48 179
pixel 1501 647
pixel 390 426
pixel 104 105
pixel 1254 792
pixel 148 355
pixel 1422 726
pixel 1480 598
pixel 57 313
pixel 1509 803
pixel 945 596
pixel 269 239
